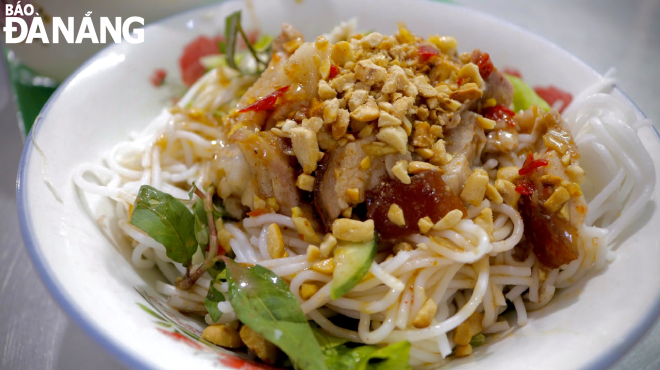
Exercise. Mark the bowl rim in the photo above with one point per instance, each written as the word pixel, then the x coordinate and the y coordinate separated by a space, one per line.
pixel 133 361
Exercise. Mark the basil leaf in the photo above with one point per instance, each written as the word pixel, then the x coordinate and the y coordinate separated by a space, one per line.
pixel 264 302
pixel 232 23
pixel 393 357
pixel 168 221
pixel 218 271
pixel 201 224
pixel 211 302
pixel 326 341
pixel 222 47
pixel 524 96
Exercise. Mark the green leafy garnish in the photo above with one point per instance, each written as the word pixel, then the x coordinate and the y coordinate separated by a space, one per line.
pixel 478 340
pixel 264 302
pixel 232 23
pixel 393 357
pixel 263 43
pixel 211 302
pixel 218 271
pixel 201 224
pixel 327 342
pixel 168 221
pixel 233 28
pixel 340 354
pixel 524 96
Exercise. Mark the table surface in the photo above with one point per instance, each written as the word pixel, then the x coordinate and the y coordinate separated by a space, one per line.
pixel 36 334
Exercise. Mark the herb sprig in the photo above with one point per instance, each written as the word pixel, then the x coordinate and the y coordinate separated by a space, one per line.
pixel 233 29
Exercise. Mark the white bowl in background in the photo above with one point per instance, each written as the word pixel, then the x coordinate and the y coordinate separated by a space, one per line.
pixel 88 269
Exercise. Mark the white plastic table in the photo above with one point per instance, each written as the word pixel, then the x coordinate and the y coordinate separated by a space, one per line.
pixel 36 334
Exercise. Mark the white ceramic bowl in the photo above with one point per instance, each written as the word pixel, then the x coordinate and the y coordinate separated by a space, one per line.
pixel 88 270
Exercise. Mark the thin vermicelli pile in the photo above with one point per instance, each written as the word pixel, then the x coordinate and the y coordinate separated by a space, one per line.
pixel 405 193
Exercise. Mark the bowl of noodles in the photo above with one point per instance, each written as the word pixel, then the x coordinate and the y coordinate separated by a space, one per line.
pixel 328 186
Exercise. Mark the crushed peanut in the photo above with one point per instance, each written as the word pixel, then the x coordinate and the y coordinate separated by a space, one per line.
pixel 426 314
pixel 326 266
pixel 402 247
pixel 328 245
pixel 313 253
pixel 400 171
pixel 222 335
pixel 306 148
pixel 274 242
pixel 353 194
pixel 264 349
pixel 468 328
pixel 307 290
pixel 305 182
pixel 463 350
pixel 557 199
pixel 396 137
pixel 395 215
pixel 493 195
pixel 508 173
pixel 353 230
pixel 575 173
pixel 425 224
pixel 303 226
pixel 365 163
pixel 508 192
pixel 485 221
pixel 417 167
pixel 450 220
pixel 259 203
pixel 475 187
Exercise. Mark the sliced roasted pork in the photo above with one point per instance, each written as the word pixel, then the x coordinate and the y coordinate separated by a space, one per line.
pixel 271 169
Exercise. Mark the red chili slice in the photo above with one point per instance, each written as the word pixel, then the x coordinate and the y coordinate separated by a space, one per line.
pixel 531 165
pixel 485 65
pixel 552 94
pixel 427 52
pixel 499 113
pixel 524 187
pixel 460 81
pixel 158 77
pixel 265 103
pixel 257 212
pixel 334 70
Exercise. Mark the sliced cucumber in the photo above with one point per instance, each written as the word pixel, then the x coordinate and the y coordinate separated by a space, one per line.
pixel 352 261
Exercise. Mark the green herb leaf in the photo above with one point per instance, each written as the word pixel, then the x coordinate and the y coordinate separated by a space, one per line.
pixel 393 357
pixel 191 192
pixel 263 43
pixel 478 340
pixel 524 96
pixel 218 271
pixel 168 221
pixel 232 24
pixel 327 342
pixel 211 302
pixel 222 47
pixel 201 224
pixel 264 302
